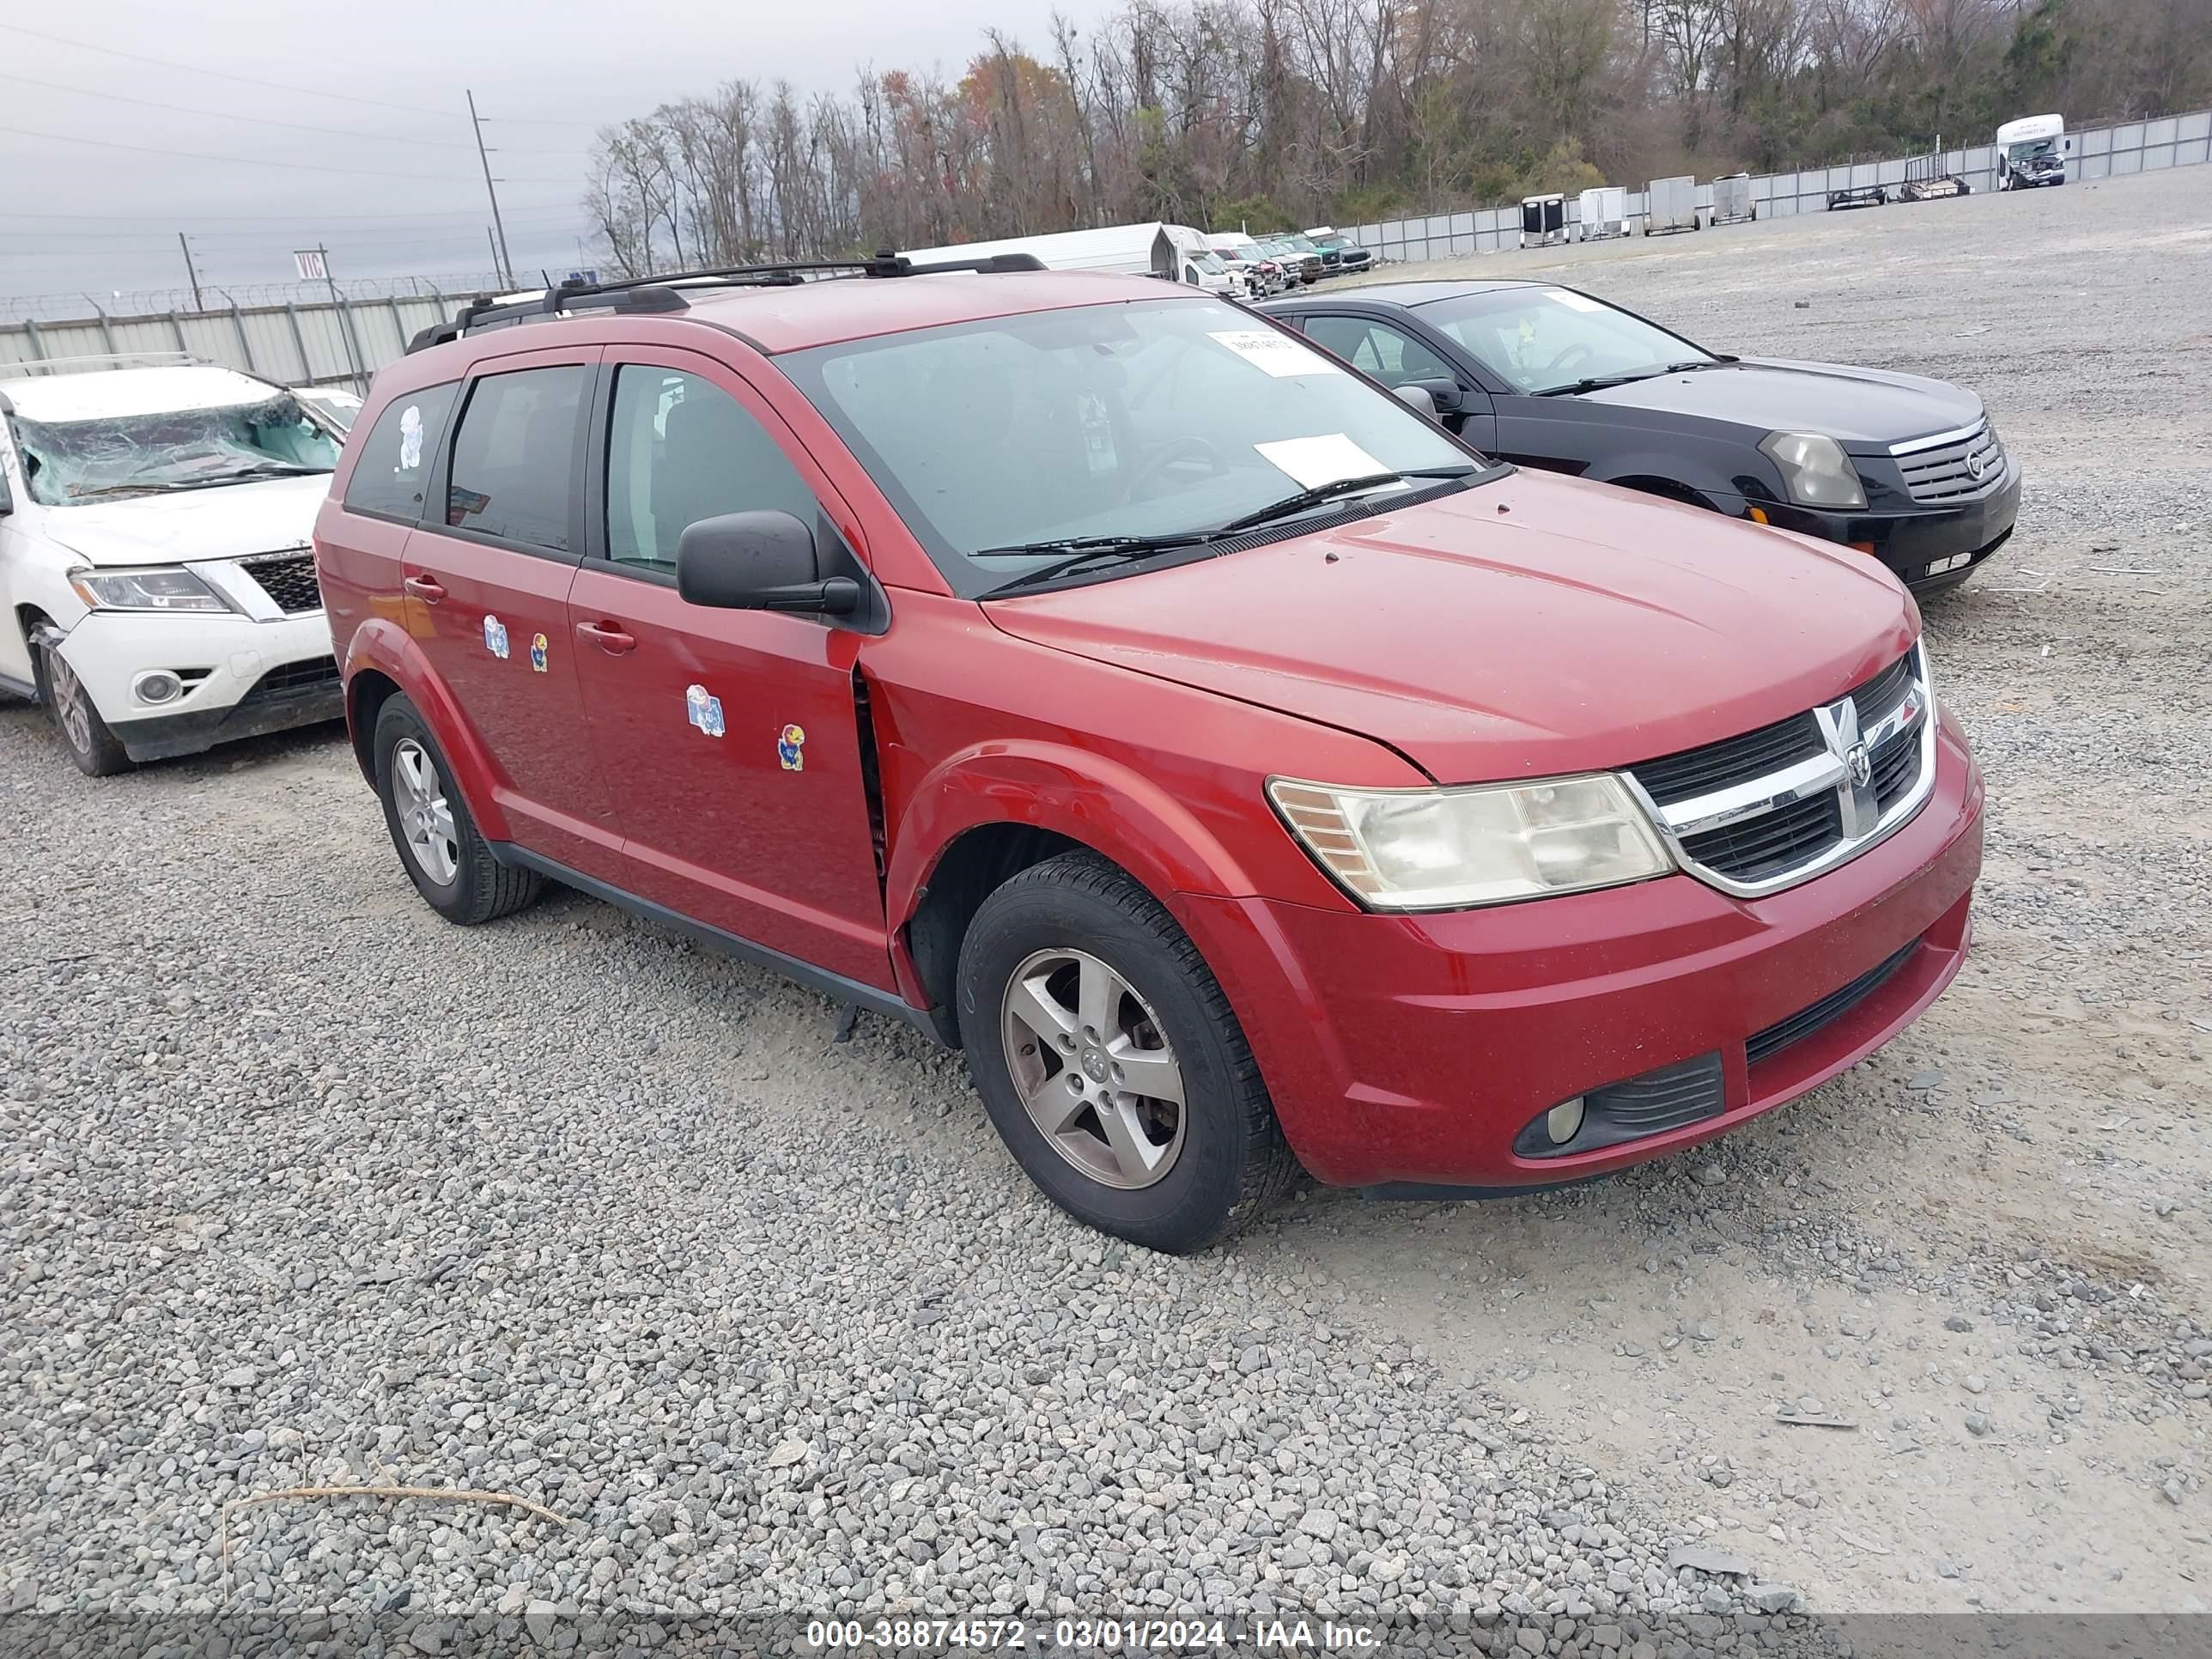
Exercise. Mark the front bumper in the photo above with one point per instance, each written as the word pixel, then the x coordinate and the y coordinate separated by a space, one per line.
pixel 1413 1050
pixel 243 677
pixel 1910 541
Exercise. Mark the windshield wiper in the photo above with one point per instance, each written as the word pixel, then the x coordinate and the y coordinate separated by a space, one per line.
pixel 1091 544
pixel 1598 383
pixel 1102 550
pixel 1330 492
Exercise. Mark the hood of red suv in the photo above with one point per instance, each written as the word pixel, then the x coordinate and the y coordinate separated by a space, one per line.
pixel 1523 629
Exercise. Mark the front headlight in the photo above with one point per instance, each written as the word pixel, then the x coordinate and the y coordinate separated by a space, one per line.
pixel 1814 469
pixel 161 589
pixel 1448 849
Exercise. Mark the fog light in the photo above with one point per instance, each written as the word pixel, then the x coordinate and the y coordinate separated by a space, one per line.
pixel 1564 1121
pixel 158 687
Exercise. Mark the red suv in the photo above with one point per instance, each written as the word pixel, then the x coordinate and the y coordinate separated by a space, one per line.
pixel 1245 774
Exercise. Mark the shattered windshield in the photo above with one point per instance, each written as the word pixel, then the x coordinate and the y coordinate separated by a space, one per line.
pixel 67 463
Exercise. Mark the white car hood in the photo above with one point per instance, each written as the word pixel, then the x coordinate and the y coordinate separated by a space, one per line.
pixel 224 521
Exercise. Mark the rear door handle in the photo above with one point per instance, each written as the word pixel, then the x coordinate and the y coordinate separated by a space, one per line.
pixel 607 637
pixel 425 589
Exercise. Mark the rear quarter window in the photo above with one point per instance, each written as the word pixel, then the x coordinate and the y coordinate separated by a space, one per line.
pixel 390 476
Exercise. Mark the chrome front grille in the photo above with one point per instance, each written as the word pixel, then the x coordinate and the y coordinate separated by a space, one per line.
pixel 1953 466
pixel 1756 813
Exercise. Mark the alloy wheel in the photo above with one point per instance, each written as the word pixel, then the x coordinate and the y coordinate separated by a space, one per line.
pixel 70 703
pixel 426 818
pixel 1093 1068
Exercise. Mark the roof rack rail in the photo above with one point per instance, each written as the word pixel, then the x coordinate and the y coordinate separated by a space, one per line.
pixel 644 295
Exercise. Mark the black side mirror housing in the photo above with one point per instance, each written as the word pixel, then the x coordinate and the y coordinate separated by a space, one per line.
pixel 759 562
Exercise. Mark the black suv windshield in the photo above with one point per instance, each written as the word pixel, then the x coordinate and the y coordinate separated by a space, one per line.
pixel 1551 339
pixel 1015 438
pixel 69 462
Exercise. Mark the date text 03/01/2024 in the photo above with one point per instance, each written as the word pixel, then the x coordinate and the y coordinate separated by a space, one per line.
pixel 1083 1635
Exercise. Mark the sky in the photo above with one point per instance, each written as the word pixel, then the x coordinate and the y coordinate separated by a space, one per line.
pixel 257 127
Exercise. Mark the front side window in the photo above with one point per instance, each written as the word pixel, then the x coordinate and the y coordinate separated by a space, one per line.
pixel 1145 419
pixel 68 463
pixel 1390 355
pixel 389 477
pixel 680 449
pixel 514 455
pixel 1552 339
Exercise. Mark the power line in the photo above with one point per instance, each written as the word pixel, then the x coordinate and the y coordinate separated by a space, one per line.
pixel 255 161
pixel 166 214
pixel 266 120
pixel 308 91
pixel 225 75
pixel 225 115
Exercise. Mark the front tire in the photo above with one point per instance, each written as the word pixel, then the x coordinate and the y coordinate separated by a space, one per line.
pixel 98 752
pixel 444 853
pixel 1110 1062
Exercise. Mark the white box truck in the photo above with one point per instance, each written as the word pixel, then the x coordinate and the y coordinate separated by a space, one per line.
pixel 2032 152
pixel 1174 254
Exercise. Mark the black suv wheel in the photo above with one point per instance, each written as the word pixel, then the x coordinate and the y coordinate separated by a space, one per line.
pixel 1110 1061
pixel 445 856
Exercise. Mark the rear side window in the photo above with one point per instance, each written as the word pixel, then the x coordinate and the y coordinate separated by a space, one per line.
pixel 396 456
pixel 513 456
pixel 680 449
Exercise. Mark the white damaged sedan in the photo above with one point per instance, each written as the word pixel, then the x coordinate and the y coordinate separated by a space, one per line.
pixel 154 557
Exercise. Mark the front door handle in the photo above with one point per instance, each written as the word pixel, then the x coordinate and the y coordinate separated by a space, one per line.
pixel 424 588
pixel 607 637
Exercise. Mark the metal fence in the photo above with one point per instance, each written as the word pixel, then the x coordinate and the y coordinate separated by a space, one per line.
pixel 294 344
pixel 2099 152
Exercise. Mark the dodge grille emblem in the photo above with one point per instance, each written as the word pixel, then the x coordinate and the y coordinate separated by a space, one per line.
pixel 1856 807
pixel 1861 765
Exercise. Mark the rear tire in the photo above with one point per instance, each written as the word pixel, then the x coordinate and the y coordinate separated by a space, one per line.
pixel 444 854
pixel 98 752
pixel 1073 980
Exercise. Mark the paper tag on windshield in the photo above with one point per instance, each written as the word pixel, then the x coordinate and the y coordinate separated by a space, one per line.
pixel 1314 462
pixel 1278 354
pixel 1574 301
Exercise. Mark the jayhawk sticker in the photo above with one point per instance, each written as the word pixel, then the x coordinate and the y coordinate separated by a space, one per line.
pixel 791 749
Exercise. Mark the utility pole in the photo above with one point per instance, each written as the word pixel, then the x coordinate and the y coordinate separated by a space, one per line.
pixel 498 279
pixel 506 265
pixel 190 272
pixel 344 313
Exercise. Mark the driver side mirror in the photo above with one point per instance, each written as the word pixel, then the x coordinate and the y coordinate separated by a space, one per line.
pixel 1443 391
pixel 1417 398
pixel 759 562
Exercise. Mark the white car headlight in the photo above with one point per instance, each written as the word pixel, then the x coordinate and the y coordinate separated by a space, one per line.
pixel 1449 849
pixel 1814 469
pixel 169 588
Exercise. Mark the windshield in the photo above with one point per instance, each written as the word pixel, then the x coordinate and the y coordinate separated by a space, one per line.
pixel 68 463
pixel 2029 149
pixel 1544 339
pixel 1153 418
pixel 1210 263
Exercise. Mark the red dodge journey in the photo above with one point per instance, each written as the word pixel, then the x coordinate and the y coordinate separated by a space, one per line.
pixel 1247 776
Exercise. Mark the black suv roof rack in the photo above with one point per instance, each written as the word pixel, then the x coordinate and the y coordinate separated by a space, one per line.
pixel 642 295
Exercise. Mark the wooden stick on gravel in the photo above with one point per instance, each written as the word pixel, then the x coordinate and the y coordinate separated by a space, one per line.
pixel 445 1494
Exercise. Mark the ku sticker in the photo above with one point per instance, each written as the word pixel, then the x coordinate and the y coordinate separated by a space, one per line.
pixel 791 748
pixel 702 710
pixel 536 651
pixel 410 439
pixel 496 636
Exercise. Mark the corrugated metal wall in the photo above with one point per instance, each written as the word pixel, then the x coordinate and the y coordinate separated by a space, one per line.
pixel 297 344
pixel 2099 152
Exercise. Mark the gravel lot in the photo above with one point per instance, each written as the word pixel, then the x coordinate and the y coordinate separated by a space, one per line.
pixel 302 1186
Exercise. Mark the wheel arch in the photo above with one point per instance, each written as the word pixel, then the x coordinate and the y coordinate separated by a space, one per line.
pixel 383 661
pixel 984 814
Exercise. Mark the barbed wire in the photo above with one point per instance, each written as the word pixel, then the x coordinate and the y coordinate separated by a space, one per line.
pixel 118 305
